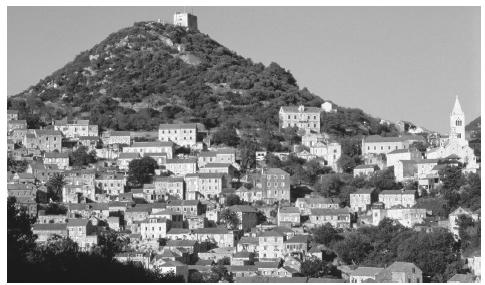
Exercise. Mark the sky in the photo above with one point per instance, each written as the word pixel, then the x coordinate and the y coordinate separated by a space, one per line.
pixel 396 63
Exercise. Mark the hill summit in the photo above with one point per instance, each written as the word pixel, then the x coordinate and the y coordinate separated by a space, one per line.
pixel 153 73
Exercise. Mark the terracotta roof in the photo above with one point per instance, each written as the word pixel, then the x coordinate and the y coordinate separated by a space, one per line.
pixel 56 155
pixel 177 126
pixel 366 271
pixel 295 109
pixel 396 192
pixel 152 144
pixel 328 212
pixel 49 227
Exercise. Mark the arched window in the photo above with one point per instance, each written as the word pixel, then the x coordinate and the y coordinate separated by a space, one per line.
pixel 458 123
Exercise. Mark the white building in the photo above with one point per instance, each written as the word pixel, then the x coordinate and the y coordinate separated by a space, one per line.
pixel 76 128
pixel 151 147
pixel 457 143
pixel 186 20
pixel 180 134
pixel 304 118
pixel 390 198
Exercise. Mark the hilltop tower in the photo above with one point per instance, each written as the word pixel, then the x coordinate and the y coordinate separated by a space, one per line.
pixel 457 124
pixel 186 20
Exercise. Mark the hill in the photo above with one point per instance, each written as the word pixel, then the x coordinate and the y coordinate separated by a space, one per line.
pixel 473 129
pixel 152 73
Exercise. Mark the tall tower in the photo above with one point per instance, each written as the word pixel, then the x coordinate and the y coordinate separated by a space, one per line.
pixel 457 124
pixel 187 20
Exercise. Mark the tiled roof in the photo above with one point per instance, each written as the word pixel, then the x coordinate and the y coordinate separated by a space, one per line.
pixel 267 264
pixel 56 155
pixel 182 160
pixel 183 203
pixel 129 155
pixel 366 271
pixel 294 109
pixel 48 133
pixel 152 144
pixel 363 191
pixel 212 231
pixel 328 212
pixel 177 126
pixel 243 208
pixel 119 134
pixel 215 164
pixel 395 192
pixel 181 243
pixel 49 227
pixel 206 175
pixel 270 234
pixel 298 239
pixel 77 222
pixel 289 210
pixel 399 266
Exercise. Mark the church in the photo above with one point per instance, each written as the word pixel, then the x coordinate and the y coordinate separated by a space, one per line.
pixel 457 143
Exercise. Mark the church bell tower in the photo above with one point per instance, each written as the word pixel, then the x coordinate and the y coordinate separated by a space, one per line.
pixel 457 124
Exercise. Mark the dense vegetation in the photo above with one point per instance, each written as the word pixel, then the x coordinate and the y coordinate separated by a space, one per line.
pixel 436 253
pixel 60 260
pixel 152 73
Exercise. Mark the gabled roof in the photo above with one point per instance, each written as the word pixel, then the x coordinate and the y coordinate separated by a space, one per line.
pixel 400 266
pixel 329 212
pixel 270 264
pixel 298 239
pixel 77 222
pixel 49 227
pixel 177 126
pixel 178 231
pixel 119 134
pixel 289 210
pixel 213 231
pixel 270 234
pixel 397 192
pixel 180 243
pixel 216 165
pixel 183 203
pixel 295 109
pixel 129 155
pixel 152 144
pixel 366 271
pixel 56 155
pixel 182 160
pixel 243 209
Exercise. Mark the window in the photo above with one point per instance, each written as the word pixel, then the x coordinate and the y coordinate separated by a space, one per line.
pixel 458 136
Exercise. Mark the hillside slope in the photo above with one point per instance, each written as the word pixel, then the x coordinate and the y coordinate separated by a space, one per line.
pixel 151 73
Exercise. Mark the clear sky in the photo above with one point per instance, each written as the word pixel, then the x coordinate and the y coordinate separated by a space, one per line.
pixel 397 63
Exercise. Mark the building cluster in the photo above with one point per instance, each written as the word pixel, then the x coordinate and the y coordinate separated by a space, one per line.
pixel 176 222
pixel 412 165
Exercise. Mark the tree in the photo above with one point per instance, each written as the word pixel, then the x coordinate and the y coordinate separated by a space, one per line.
pixel 326 234
pixel 452 177
pixel 248 153
pixel 312 267
pixel 55 209
pixel 141 170
pixel 346 163
pixel 431 252
pixel 162 241
pixel 54 187
pixel 353 249
pixel 226 135
pixel 110 243
pixel 17 166
pixel 232 199
pixel 229 218
pixel 81 157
